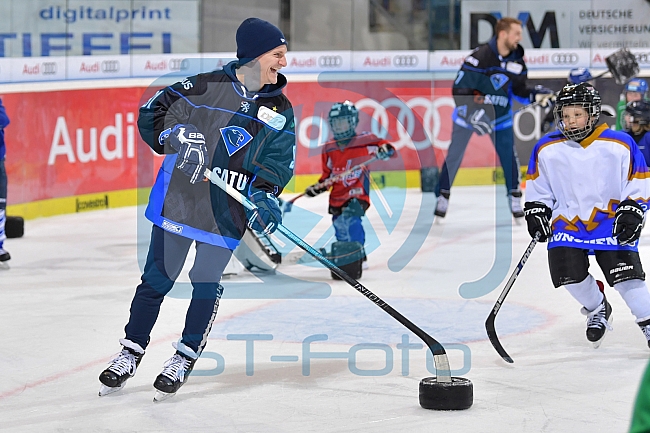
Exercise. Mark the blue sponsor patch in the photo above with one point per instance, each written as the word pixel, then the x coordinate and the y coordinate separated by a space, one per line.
pixel 235 137
pixel 498 80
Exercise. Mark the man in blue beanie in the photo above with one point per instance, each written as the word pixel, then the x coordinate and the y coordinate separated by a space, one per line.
pixel 237 122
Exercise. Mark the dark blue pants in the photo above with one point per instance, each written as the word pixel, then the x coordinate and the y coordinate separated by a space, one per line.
pixel 3 200
pixel 165 259
pixel 504 145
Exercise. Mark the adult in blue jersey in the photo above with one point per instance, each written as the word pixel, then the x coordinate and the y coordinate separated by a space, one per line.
pixel 490 77
pixel 4 121
pixel 237 122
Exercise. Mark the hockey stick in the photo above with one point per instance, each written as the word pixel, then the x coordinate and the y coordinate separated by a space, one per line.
pixel 329 182
pixel 489 323
pixel 622 64
pixel 439 355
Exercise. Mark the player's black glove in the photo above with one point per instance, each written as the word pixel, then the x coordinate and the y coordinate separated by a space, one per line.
pixel 315 189
pixel 480 122
pixel 628 222
pixel 192 158
pixel 538 218
pixel 385 151
pixel 266 217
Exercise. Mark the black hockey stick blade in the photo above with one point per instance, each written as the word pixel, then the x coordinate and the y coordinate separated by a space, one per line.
pixel 492 335
pixel 623 65
pixel 489 323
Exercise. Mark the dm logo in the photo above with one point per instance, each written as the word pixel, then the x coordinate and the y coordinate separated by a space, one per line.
pixel 235 137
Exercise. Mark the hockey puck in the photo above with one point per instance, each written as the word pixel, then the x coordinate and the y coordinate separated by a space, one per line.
pixel 455 395
pixel 14 227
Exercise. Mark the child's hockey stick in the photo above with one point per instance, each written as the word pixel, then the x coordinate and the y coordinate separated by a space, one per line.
pixel 329 182
pixel 439 355
pixel 489 323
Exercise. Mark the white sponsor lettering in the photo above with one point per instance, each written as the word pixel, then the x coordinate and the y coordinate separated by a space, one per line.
pixel 174 228
pixel 232 178
pixel 273 119
pixel 62 144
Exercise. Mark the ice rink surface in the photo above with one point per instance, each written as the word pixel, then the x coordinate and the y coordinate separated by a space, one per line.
pixel 300 352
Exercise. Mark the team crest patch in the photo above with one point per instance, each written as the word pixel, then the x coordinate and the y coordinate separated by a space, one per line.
pixel 235 137
pixel 498 80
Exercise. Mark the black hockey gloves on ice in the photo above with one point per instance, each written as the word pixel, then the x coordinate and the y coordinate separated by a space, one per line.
pixel 192 158
pixel 315 189
pixel 385 151
pixel 628 222
pixel 267 216
pixel 538 218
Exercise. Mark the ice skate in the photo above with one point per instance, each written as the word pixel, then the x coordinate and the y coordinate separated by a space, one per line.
pixel 645 328
pixel 122 367
pixel 4 258
pixel 441 205
pixel 598 322
pixel 175 373
pixel 515 205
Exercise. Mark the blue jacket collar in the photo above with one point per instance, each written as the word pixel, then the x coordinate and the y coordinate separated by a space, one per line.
pixel 268 91
pixel 517 54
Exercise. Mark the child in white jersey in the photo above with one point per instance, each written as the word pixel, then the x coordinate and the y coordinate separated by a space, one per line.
pixel 587 190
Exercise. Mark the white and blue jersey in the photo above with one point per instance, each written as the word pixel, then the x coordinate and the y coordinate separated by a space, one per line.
pixel 250 138
pixel 583 183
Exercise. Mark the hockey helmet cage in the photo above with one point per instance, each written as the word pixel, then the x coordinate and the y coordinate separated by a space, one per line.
pixel 638 111
pixel 579 75
pixel 582 95
pixel 343 119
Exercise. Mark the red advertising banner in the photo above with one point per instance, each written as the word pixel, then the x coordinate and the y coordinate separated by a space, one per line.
pixel 72 142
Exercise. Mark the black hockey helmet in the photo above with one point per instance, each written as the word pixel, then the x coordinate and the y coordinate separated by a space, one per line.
pixel 638 111
pixel 581 95
pixel 343 119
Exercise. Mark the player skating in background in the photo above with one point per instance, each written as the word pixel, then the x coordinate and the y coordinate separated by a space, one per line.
pixel 637 119
pixel 490 77
pixel 587 190
pixel 349 199
pixel 576 76
pixel 635 90
pixel 237 122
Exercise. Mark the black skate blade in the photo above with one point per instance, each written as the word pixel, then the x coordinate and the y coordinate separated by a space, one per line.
pixel 596 344
pixel 162 396
pixel 105 390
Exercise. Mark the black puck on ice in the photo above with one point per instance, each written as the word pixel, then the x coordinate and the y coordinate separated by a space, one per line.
pixel 455 395
pixel 14 227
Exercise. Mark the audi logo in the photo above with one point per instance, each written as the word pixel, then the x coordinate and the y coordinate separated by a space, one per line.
pixel 408 61
pixel 111 66
pixel 330 61
pixel 49 68
pixel 564 59
pixel 178 64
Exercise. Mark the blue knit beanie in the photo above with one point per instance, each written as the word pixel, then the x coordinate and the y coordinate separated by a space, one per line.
pixel 256 37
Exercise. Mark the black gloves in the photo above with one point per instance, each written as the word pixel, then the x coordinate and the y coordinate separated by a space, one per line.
pixel 628 222
pixel 538 218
